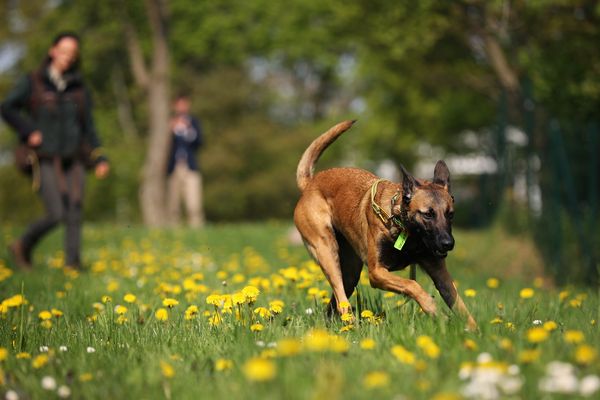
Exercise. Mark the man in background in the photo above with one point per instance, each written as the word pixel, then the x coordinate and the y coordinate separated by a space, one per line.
pixel 184 179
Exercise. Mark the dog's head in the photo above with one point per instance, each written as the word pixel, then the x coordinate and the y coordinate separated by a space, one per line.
pixel 428 208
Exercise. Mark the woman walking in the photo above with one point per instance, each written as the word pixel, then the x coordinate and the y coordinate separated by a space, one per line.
pixel 51 111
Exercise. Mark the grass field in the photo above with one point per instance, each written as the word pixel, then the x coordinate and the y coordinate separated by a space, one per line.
pixel 236 312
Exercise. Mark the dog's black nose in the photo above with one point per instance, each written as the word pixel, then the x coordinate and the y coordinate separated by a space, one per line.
pixel 447 243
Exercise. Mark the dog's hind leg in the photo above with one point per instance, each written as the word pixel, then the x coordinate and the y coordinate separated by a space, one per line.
pixel 315 226
pixel 351 266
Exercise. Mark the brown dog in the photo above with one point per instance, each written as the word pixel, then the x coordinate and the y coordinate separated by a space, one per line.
pixel 348 217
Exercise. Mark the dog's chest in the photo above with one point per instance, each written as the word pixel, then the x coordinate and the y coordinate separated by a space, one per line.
pixel 395 259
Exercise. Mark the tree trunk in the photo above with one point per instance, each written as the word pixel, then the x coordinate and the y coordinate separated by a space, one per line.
pixel 152 189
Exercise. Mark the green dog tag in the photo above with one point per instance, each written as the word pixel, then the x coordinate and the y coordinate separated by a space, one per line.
pixel 401 240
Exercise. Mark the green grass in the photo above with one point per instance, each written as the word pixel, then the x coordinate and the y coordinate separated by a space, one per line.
pixel 151 263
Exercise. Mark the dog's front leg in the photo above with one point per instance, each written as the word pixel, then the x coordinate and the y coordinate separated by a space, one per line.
pixel 445 285
pixel 381 278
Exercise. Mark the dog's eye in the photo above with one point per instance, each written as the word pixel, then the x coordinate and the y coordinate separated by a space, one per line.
pixel 450 215
pixel 429 214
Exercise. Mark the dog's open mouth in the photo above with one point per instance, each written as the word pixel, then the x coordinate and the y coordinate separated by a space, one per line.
pixel 441 254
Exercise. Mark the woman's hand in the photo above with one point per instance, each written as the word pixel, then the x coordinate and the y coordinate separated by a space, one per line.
pixel 34 139
pixel 102 169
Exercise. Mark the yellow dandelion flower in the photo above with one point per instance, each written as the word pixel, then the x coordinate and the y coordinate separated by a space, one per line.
pixel 161 314
pixel 510 326
pixel 39 361
pixel 347 317
pixel 251 293
pixel 259 369
pixel 575 303
pixel 167 369
pixel 346 328
pixel 288 347
pixel 317 340
pixel 120 310
pixel 276 306
pixel 56 313
pixel 257 327
pixel 46 324
pixel 86 377
pixel 496 321
pixel 338 344
pixel 470 292
pixel 169 302
pixel 263 312
pixel 562 296
pixel 550 326
pixel 492 283
pixel 505 344
pixel 223 364
pixel 121 319
pixel 537 335
pixel 367 344
pixel 222 275
pixel 238 298
pixel 214 299
pixel 23 355
pixel 428 346
pixel 403 355
pixel 44 315
pixel 344 304
pixel 112 286
pixel 574 336
pixel 529 356
pixel 376 379
pixel 130 298
pixel 191 312
pixel 367 314
pixel 470 344
pixel 3 354
pixel 106 299
pixel 526 293
pixel 447 396
pixel 585 354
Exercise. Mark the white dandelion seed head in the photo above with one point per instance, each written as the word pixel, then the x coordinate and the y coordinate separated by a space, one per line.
pixel 465 372
pixel 271 345
pixel 48 383
pixel 484 358
pixel 559 384
pixel 11 395
pixel 589 385
pixel 260 343
pixel 537 322
pixel 559 368
pixel 514 369
pixel 308 311
pixel 63 392
pixel 510 385
pixel 90 349
pixel 44 349
pixel 62 348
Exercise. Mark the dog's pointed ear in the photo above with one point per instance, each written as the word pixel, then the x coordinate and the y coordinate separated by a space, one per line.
pixel 408 185
pixel 441 175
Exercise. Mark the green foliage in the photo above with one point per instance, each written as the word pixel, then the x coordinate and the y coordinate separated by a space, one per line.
pixel 266 77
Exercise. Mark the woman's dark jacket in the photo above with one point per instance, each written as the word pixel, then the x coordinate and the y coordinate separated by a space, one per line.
pixel 64 118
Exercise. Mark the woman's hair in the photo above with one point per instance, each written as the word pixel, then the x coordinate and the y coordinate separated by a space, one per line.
pixel 60 36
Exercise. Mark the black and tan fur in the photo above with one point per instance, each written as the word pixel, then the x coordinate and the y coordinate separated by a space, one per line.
pixel 342 232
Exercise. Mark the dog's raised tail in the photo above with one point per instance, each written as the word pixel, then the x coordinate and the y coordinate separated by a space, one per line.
pixel 311 155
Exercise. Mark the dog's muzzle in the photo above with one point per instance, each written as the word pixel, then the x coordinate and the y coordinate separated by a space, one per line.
pixel 444 245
